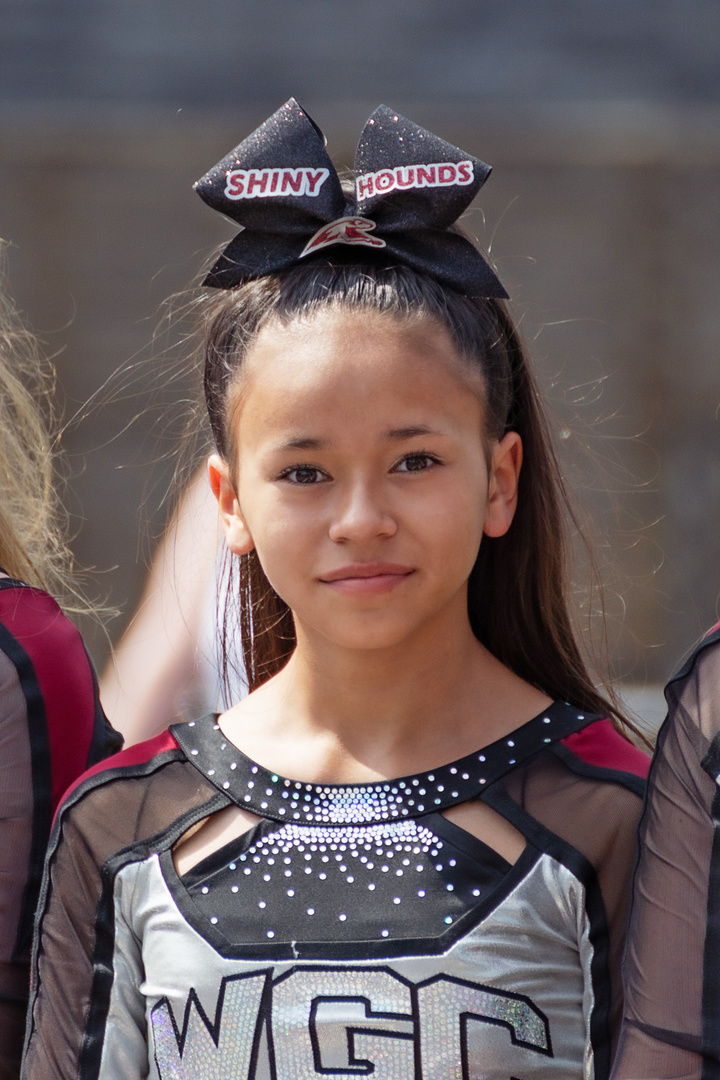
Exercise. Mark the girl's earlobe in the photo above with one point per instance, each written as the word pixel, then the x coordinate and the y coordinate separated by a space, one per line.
pixel 503 484
pixel 237 534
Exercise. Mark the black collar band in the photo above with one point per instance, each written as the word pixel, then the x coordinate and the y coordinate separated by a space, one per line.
pixel 269 795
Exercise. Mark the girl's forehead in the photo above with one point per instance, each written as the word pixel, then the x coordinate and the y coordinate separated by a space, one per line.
pixel 336 346
pixel 343 370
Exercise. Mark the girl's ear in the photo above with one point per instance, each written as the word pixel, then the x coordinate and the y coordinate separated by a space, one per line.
pixel 237 534
pixel 502 497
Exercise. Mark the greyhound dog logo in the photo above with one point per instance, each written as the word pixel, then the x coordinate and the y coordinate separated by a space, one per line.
pixel 347 230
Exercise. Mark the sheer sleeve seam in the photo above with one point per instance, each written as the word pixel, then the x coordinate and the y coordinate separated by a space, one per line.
pixel 630 780
pixel 679 1039
pixel 710 639
pixel 140 760
pixel 711 759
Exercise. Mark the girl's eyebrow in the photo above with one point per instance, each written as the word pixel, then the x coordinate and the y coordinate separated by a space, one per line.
pixel 410 432
pixel 310 442
pixel 307 443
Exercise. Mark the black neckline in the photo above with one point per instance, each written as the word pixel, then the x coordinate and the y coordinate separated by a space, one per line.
pixel 270 795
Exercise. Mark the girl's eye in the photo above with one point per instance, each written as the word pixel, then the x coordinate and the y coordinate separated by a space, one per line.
pixel 416 463
pixel 303 474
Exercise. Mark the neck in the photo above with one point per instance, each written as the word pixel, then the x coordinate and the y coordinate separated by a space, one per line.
pixel 335 714
pixel 384 695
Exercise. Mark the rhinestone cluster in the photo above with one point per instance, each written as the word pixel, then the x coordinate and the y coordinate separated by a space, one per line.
pixel 340 875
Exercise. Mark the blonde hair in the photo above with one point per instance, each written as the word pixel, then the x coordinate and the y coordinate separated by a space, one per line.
pixel 32 541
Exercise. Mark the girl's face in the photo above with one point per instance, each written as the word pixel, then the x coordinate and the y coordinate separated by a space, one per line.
pixel 363 476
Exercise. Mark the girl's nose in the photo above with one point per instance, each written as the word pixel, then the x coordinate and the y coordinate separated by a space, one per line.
pixel 361 515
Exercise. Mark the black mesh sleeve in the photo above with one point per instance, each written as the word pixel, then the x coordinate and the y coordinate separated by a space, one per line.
pixel 72 968
pixel 671 1025
pixel 598 817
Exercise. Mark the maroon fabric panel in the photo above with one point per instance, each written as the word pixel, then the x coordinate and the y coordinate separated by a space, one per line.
pixel 16 819
pixel 48 720
pixel 137 754
pixel 64 676
pixel 16 813
pixel 602 745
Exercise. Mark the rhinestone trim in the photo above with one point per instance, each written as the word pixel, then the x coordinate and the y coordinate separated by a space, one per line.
pixel 269 795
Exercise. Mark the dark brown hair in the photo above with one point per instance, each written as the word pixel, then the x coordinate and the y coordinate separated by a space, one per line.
pixel 518 589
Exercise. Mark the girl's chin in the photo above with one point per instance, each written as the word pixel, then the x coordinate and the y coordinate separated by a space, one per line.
pixel 375 636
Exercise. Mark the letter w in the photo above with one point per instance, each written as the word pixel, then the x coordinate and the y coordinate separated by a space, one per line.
pixel 223 1049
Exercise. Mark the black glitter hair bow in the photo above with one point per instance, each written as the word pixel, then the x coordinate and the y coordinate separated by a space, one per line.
pixel 280 185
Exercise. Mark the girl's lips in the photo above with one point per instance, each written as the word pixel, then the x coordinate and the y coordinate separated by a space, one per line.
pixel 367 570
pixel 367 577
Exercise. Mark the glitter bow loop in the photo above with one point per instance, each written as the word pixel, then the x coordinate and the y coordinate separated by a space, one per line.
pixel 408 178
pixel 280 185
pixel 414 186
pixel 410 187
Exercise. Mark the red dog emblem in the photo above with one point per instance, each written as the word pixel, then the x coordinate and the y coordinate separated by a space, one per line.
pixel 348 230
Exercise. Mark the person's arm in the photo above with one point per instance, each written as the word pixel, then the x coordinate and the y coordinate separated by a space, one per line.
pixel 16 816
pixel 51 729
pixel 671 1025
pixel 156 668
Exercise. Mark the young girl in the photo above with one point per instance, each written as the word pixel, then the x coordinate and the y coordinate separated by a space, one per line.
pixel 51 724
pixel 404 854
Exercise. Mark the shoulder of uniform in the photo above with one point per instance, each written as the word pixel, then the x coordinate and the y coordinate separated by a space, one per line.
pixel 140 760
pixel 35 619
pixel 601 751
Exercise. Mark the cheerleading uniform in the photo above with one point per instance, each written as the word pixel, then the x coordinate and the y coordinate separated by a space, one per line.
pixel 671 1026
pixel 51 729
pixel 354 930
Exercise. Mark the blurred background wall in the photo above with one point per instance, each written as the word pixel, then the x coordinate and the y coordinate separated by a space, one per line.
pixel 602 120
